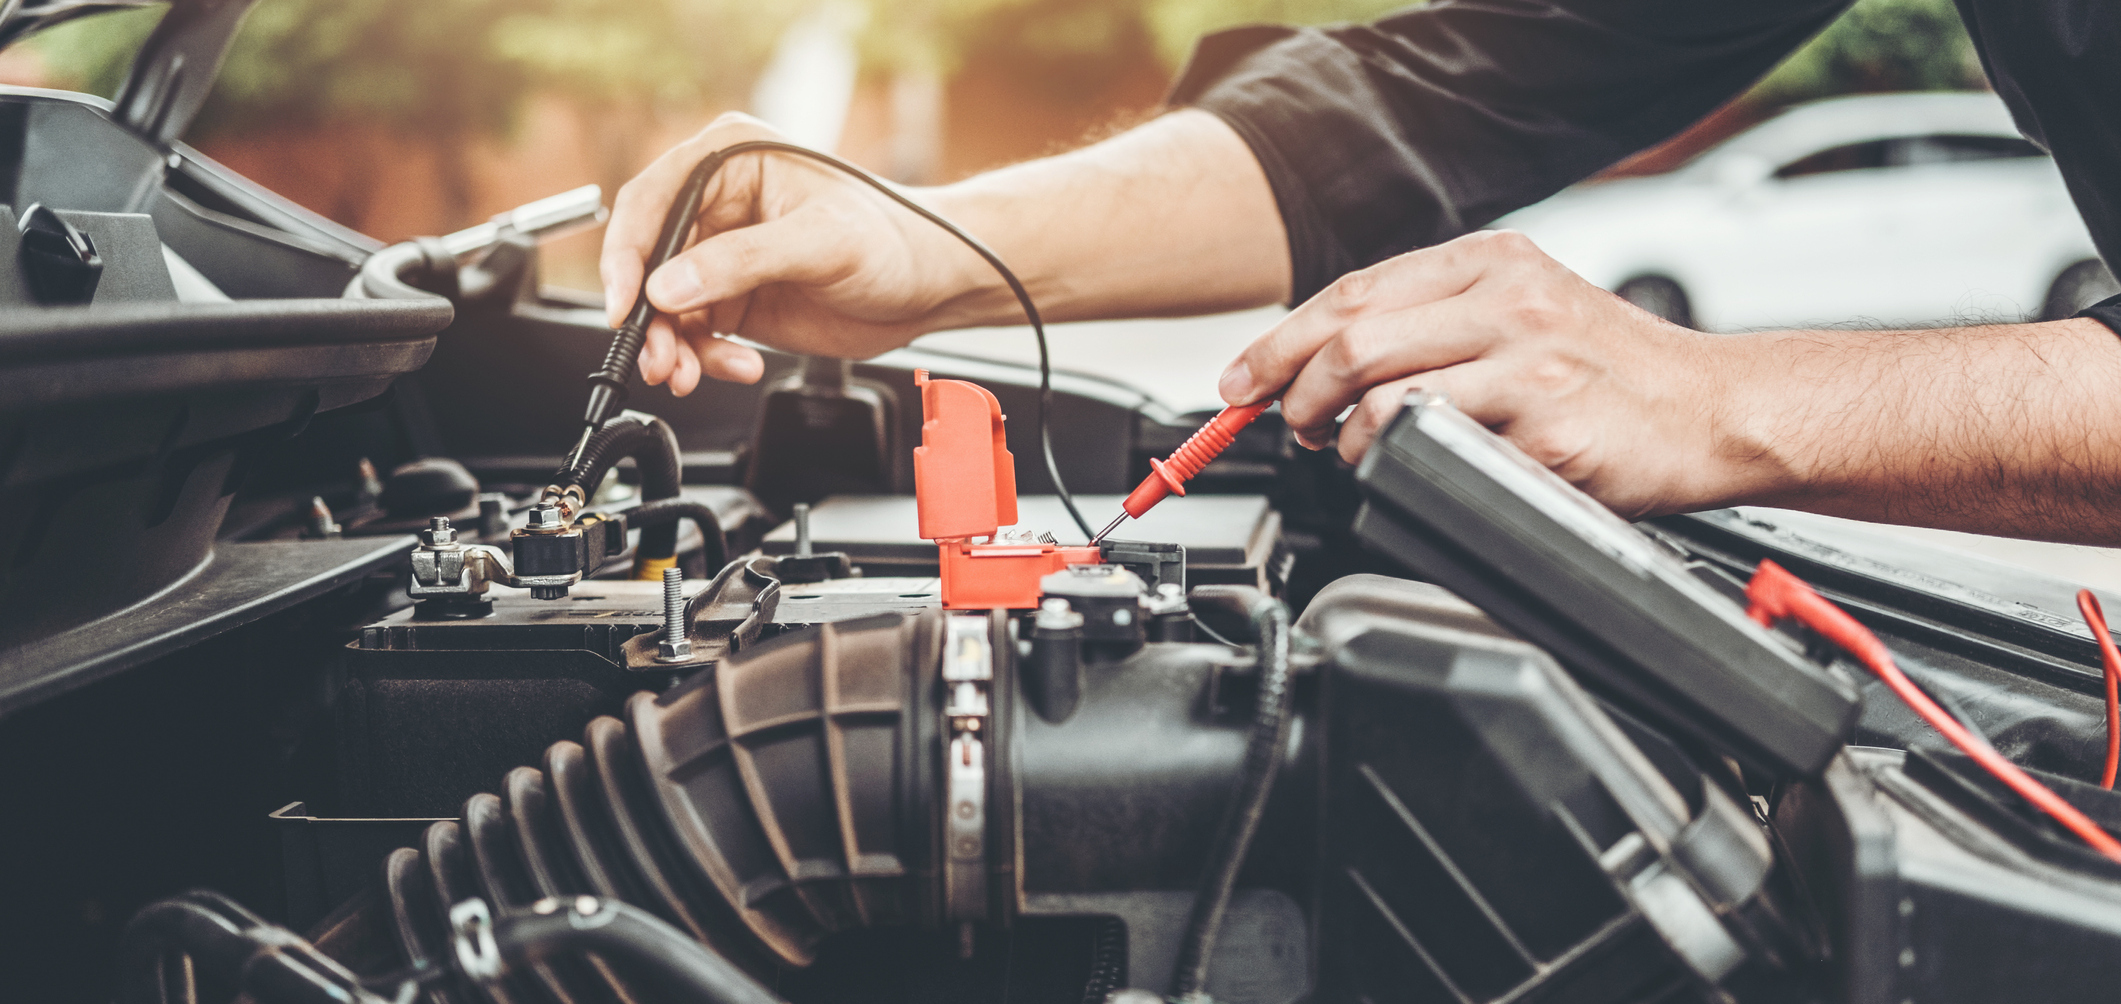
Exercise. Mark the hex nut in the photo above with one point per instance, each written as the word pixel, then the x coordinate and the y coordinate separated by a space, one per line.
pixel 439 533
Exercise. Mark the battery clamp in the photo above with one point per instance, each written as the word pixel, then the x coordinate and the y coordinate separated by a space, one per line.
pixel 964 486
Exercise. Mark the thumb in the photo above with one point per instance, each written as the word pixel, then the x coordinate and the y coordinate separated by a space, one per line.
pixel 638 211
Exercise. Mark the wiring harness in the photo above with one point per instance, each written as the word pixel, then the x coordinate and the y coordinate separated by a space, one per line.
pixel 1774 595
pixel 2110 660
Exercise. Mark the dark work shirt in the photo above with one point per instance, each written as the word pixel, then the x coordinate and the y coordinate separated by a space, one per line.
pixel 1430 123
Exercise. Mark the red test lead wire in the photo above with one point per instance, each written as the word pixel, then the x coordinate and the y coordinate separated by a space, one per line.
pixel 1775 594
pixel 1169 476
pixel 2095 618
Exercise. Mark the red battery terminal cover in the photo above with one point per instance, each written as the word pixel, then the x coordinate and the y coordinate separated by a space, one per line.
pixel 964 486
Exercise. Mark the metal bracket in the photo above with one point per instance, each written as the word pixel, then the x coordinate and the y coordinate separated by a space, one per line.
pixel 968 672
pixel 457 570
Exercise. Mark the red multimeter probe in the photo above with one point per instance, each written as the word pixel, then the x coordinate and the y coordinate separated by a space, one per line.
pixel 1169 476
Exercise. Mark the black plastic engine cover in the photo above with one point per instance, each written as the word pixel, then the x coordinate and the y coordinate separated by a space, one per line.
pixel 1486 831
pixel 1934 885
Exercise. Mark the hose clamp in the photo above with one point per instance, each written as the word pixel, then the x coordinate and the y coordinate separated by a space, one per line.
pixel 478 954
pixel 968 673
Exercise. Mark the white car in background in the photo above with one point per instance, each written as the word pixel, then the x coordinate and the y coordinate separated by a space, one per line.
pixel 1891 209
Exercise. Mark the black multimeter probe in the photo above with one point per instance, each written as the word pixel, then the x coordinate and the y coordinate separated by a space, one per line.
pixel 607 385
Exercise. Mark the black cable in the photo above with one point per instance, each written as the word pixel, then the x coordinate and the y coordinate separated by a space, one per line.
pixel 649 440
pixel 667 512
pixel 230 945
pixel 1239 602
pixel 1263 751
pixel 1951 707
pixel 653 445
pixel 1213 634
pixel 607 386
pixel 628 935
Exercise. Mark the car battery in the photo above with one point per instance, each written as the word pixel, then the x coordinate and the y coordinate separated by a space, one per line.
pixel 430 710
pixel 1228 539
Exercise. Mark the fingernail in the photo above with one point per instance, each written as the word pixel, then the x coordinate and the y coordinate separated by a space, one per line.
pixel 748 369
pixel 675 286
pixel 1236 383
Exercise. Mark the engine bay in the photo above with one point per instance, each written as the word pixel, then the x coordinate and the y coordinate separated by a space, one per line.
pixel 319 683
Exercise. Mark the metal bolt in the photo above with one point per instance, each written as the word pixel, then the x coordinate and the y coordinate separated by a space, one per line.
pixel 545 516
pixel 1169 599
pixel 1054 614
pixel 802 529
pixel 438 533
pixel 369 482
pixel 321 523
pixel 493 515
pixel 676 646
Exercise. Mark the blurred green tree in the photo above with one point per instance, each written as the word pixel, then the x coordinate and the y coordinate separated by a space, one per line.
pixel 942 33
pixel 1176 24
pixel 1879 45
pixel 447 72
pixel 444 72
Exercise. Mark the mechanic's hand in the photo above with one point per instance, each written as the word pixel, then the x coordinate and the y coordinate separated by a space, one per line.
pixel 1619 402
pixel 787 251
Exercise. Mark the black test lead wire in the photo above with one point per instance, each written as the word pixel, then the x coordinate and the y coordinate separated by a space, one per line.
pixel 607 385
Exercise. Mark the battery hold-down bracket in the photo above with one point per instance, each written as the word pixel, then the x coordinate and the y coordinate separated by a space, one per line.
pixel 964 486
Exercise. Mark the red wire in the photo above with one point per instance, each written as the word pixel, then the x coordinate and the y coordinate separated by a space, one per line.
pixel 2111 658
pixel 1775 594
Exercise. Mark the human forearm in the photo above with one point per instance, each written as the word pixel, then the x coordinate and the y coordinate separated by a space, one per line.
pixel 1173 217
pixel 2005 429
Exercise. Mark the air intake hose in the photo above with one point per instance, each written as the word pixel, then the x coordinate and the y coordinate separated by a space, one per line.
pixel 797 789
pixel 758 808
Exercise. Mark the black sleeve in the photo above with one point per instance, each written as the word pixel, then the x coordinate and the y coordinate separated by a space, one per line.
pixel 2107 312
pixel 1432 122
